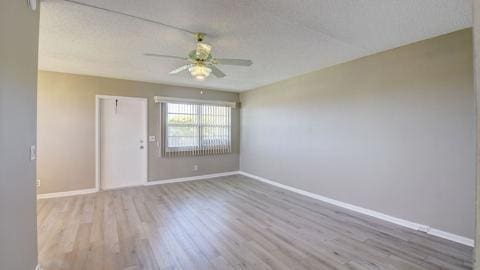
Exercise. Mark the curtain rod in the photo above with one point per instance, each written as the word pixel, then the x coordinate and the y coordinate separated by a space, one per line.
pixel 160 99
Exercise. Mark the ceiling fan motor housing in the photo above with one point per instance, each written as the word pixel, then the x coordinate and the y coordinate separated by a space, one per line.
pixel 197 56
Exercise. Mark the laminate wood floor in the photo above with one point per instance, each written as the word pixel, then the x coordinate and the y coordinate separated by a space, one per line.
pixel 227 223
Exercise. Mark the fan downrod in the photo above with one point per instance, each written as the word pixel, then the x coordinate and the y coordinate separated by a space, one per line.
pixel 200 36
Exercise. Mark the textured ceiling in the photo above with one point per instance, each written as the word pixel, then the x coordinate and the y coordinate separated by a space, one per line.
pixel 284 38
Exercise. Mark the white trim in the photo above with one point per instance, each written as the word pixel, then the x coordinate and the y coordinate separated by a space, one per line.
pixel 191 178
pixel 67 193
pixel 122 187
pixel 97 135
pixel 97 141
pixel 452 237
pixel 119 97
pixel 38 267
pixel 159 99
pixel 148 183
pixel 405 223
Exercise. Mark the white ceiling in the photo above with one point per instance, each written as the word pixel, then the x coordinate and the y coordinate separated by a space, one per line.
pixel 284 38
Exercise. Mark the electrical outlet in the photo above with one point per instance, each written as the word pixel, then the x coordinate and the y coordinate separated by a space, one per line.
pixel 424 229
pixel 38 182
pixel 33 152
pixel 195 167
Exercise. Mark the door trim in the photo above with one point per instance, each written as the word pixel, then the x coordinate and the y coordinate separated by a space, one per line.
pixel 98 185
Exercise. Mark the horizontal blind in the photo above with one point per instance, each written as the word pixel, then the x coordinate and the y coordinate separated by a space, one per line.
pixel 190 129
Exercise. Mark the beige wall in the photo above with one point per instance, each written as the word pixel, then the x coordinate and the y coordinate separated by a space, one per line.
pixel 392 132
pixel 18 84
pixel 66 130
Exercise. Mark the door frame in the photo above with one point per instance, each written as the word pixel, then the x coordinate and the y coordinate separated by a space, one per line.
pixel 98 98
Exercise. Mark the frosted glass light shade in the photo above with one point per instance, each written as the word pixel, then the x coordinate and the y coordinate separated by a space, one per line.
pixel 200 72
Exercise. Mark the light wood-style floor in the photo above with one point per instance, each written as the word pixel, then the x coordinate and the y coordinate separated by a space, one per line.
pixel 227 223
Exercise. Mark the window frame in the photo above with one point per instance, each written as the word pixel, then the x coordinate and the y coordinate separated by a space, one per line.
pixel 201 147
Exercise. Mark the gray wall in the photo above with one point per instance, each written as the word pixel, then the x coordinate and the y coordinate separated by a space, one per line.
pixel 476 34
pixel 18 84
pixel 392 132
pixel 66 130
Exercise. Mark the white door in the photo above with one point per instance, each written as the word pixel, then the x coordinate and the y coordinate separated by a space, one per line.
pixel 123 142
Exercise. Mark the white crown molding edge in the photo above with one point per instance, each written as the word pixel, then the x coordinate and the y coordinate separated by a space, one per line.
pixel 405 223
pixel 191 178
pixel 67 193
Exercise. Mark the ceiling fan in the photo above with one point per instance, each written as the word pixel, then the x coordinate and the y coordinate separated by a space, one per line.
pixel 201 61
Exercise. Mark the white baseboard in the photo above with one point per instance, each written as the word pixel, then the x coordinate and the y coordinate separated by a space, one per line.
pixel 405 223
pixel 151 183
pixel 452 237
pixel 192 178
pixel 67 193
pixel 395 220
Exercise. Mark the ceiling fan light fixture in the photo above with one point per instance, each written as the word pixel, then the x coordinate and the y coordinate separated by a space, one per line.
pixel 201 62
pixel 200 72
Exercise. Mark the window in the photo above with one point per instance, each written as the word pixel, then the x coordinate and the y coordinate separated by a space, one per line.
pixel 196 128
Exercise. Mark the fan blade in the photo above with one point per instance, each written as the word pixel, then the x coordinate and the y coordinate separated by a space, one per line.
pixel 233 62
pixel 182 68
pixel 217 72
pixel 165 56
